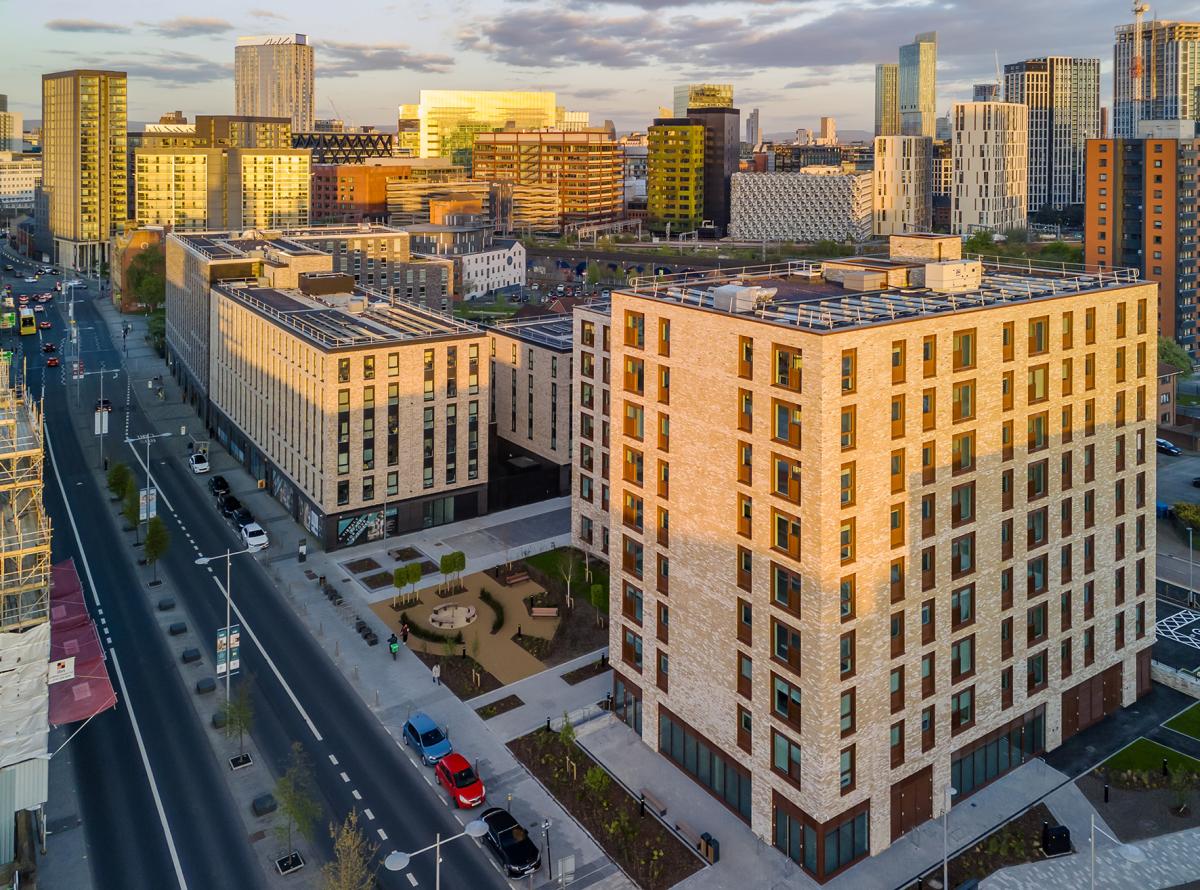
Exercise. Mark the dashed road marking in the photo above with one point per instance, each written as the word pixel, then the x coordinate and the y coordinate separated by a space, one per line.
pixel 345 778
pixel 412 879
pixel 382 834
pixel 333 760
pixel 354 793
pixel 370 816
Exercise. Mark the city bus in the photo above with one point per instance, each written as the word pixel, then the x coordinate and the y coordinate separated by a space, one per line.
pixel 28 324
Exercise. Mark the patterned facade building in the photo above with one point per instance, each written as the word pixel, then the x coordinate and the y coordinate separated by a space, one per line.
pixel 817 204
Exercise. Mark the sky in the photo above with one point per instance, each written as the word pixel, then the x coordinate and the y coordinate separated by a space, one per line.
pixel 796 60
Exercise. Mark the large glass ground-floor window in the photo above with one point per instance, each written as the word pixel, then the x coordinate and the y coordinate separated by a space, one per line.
pixel 998 752
pixel 706 763
pixel 825 849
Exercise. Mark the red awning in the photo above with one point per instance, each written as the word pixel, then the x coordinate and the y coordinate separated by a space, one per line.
pixel 73 634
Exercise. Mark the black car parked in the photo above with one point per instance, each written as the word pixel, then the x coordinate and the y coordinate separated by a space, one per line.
pixel 241 518
pixel 218 485
pixel 510 842
pixel 230 506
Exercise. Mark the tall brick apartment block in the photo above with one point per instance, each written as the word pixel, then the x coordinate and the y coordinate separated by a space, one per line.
pixel 878 529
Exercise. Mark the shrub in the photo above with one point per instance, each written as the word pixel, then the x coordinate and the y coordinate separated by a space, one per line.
pixel 1188 514
pixel 496 606
pixel 424 633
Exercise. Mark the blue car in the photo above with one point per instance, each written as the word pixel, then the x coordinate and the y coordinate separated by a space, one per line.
pixel 429 739
pixel 1165 447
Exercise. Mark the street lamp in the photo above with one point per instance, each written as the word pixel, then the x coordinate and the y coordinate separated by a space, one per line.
pixel 950 792
pixel 1191 594
pixel 398 861
pixel 228 557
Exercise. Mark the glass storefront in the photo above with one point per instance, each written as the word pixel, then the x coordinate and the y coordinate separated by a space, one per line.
pixel 705 763
pixel 997 753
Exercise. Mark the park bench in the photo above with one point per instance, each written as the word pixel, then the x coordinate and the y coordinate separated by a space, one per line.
pixel 689 834
pixel 653 804
pixel 543 612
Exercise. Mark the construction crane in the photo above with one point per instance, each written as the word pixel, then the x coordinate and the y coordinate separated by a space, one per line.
pixel 1136 66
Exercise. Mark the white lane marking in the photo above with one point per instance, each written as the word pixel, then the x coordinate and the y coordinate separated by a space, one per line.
pixel 382 834
pixel 412 879
pixel 108 640
pixel 270 662
pixel 149 475
pixel 370 816
pixel 333 760
pixel 137 732
pixel 355 793
pixel 345 778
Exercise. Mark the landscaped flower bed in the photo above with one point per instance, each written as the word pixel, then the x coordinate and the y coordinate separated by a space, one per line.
pixel 653 856
pixel 1018 842
pixel 459 674
pixel 502 706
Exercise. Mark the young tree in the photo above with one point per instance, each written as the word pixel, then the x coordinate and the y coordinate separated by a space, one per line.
pixel 158 539
pixel 399 579
pixel 413 577
pixel 1173 354
pixel 599 599
pixel 566 564
pixel 446 567
pixel 147 277
pixel 296 794
pixel 119 478
pixel 132 509
pixel 460 565
pixel 353 866
pixel 239 715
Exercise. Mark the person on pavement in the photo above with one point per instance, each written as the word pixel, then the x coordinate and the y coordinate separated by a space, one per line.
pixel 393 645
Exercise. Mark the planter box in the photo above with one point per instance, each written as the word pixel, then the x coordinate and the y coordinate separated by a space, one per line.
pixel 205 685
pixel 240 761
pixel 287 864
pixel 264 805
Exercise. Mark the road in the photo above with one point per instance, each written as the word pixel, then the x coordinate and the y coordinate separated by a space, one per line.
pixel 127 842
pixel 299 694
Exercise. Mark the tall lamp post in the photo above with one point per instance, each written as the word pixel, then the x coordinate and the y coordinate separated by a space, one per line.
pixel 228 557
pixel 1191 588
pixel 398 861
pixel 950 792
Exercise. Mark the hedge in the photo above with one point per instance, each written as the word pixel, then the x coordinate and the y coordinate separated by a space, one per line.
pixel 424 633
pixel 496 606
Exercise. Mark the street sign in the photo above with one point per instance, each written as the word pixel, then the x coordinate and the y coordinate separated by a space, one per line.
pixel 100 423
pixel 234 650
pixel 147 503
pixel 77 371
pixel 61 670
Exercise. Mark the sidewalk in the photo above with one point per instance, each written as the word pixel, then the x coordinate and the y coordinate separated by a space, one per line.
pixel 1170 860
pixel 394 690
pixel 65 862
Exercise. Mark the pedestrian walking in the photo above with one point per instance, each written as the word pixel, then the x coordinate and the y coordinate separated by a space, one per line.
pixel 404 633
pixel 393 645
pixel 437 675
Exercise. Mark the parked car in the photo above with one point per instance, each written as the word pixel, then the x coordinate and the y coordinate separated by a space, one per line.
pixel 1196 482
pixel 254 537
pixel 241 519
pixel 218 486
pixel 426 738
pixel 509 840
pixel 459 779
pixel 229 505
pixel 103 405
pixel 1165 447
pixel 199 463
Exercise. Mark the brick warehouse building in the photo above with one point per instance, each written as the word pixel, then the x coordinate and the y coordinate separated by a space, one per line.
pixel 868 544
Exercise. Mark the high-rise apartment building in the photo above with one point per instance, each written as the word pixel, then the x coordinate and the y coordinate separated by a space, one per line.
pixel 887 99
pixel 903 187
pixel 722 150
pixel 449 119
pixel 701 95
pixel 1170 78
pixel 986 92
pixel 752 131
pixel 868 550
pixel 592 363
pixel 84 163
pixel 675 179
pixel 828 131
pixel 990 166
pixel 20 177
pixel 273 77
pixel 1140 196
pixel 11 128
pixel 1063 97
pixel 585 166
pixel 917 84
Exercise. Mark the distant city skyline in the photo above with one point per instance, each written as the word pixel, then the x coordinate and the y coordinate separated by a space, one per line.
pixel 596 55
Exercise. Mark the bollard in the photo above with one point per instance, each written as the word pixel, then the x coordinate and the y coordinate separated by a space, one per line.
pixel 377 698
pixel 547 724
pixel 642 805
pixel 321 629
pixel 1165 770
pixel 1106 792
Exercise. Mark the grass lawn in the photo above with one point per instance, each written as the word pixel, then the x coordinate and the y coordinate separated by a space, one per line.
pixel 548 562
pixel 1188 722
pixel 1184 398
pixel 1147 755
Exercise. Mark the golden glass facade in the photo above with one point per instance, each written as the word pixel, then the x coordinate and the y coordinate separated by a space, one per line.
pixel 84 161
pixel 675 176
pixel 271 188
pixel 173 187
pixel 702 95
pixel 273 77
pixel 450 119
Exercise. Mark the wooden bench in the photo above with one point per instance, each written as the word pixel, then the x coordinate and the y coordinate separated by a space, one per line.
pixel 689 834
pixel 653 804
pixel 515 578
pixel 543 612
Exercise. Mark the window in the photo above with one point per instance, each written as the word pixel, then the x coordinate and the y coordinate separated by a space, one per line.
pixel 929 356
pixel 897 471
pixel 846 654
pixel 631 650
pixel 849 370
pixel 896 744
pixel 846 541
pixel 897 634
pixel 846 773
pixel 928 625
pixel 785 758
pixel 962 503
pixel 785 534
pixel 962 555
pixel 785 701
pixel 846 711
pixel 964 350
pixel 927 729
pixel 631 603
pixel 848 427
pixel 785 589
pixel 744 728
pixel 745 622
pixel 846 485
pixel 962 709
pixel 1035 672
pixel 745 411
pixel 846 605
pixel 897 417
pixel 789 363
pixel 745 674
pixel 928 675
pixel 928 410
pixel 896 686
pixel 963 407
pixel 898 361
pixel 1039 335
pixel 962 607
pixel 635 329
pixel 962 658
pixel 745 358
pixel 963 448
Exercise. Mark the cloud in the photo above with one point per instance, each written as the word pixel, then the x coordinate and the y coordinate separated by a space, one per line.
pixel 188 26
pixel 339 59
pixel 266 14
pixel 85 26
pixel 165 67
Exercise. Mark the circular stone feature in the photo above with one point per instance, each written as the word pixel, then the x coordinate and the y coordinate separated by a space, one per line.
pixel 452 615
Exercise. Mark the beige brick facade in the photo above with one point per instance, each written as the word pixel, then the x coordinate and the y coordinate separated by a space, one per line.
pixel 1045 538
pixel 591 465
pixel 531 395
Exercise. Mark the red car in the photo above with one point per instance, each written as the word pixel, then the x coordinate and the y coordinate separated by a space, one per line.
pixel 457 777
pixel 44 325
pixel 52 362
